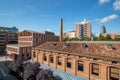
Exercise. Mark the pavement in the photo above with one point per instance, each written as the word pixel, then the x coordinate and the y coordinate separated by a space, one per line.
pixel 4 58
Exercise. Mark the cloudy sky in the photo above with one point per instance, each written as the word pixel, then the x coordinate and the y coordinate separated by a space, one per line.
pixel 41 15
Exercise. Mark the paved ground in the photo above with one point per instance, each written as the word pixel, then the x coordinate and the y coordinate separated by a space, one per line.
pixel 4 58
pixel 4 63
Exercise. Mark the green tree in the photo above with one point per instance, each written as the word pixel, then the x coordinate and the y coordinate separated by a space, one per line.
pixel 101 38
pixel 86 38
pixel 108 37
pixel 95 38
pixel 117 39
pixel 66 39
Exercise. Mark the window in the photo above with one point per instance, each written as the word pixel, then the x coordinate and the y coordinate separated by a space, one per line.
pixel 114 62
pixel 95 69
pixel 69 63
pixel 34 54
pixel 27 55
pixel 45 58
pixel 84 45
pixel 109 46
pixel 22 55
pixel 59 61
pixel 51 59
pixel 66 44
pixel 80 66
pixel 114 73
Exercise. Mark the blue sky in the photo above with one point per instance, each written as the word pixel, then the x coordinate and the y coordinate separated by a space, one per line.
pixel 41 15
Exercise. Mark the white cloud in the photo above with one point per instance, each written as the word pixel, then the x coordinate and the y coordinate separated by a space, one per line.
pixel 108 18
pixel 103 1
pixel 116 5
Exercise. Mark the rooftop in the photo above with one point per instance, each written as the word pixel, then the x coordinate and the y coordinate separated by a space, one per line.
pixel 95 49
pixel 43 32
pixel 18 45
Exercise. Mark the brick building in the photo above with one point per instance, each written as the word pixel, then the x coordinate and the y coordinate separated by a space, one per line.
pixel 113 36
pixel 28 39
pixel 92 60
pixel 83 29
pixel 7 36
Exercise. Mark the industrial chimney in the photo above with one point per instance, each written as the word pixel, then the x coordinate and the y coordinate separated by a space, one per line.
pixel 61 30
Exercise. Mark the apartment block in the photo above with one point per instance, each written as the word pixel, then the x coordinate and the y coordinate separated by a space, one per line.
pixel 83 29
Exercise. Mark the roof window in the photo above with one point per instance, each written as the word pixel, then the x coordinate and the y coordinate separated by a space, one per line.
pixel 84 45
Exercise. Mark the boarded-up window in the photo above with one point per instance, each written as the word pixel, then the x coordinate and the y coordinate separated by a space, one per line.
pixel 114 73
pixel 95 69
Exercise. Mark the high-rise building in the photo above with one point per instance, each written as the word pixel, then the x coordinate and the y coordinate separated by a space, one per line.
pixel 83 29
pixel 102 30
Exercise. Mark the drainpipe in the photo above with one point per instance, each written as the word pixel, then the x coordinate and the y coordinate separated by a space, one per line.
pixel 89 71
pixel 37 56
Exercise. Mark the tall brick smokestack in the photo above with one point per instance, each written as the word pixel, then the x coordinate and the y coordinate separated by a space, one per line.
pixel 61 30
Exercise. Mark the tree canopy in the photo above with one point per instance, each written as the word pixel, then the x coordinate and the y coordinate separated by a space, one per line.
pixel 29 71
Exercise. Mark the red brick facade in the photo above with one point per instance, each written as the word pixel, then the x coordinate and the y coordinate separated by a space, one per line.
pixel 28 39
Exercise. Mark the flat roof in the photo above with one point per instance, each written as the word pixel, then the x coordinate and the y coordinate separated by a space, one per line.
pixel 18 45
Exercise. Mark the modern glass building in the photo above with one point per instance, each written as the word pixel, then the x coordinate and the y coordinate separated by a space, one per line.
pixel 102 30
pixel 12 29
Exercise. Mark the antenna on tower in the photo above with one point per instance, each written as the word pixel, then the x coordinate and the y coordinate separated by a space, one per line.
pixel 84 20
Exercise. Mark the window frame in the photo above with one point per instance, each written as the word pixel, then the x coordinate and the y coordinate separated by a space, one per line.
pixel 93 69
pixel 80 69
